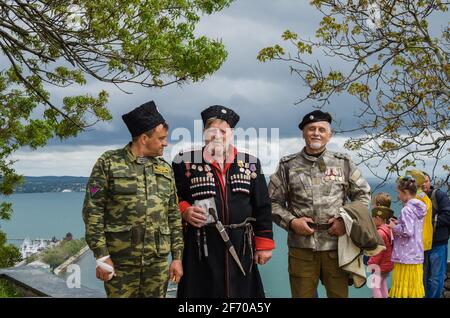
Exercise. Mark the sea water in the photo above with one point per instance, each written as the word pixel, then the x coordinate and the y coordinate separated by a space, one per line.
pixel 44 215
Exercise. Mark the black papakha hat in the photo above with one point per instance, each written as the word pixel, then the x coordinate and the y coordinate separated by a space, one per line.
pixel 143 118
pixel 313 117
pixel 220 112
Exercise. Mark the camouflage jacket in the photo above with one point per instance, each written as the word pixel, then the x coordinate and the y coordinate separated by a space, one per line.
pixel 130 209
pixel 304 185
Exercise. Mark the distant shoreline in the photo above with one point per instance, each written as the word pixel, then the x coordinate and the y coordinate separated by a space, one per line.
pixel 52 184
pixel 72 184
pixel 43 192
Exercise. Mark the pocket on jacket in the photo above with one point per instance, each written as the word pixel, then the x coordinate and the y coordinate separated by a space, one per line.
pixel 124 184
pixel 164 186
pixel 162 240
pixel 118 240
pixel 299 184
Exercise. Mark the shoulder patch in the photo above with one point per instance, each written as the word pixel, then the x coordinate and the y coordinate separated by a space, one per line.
pixel 93 190
pixel 355 176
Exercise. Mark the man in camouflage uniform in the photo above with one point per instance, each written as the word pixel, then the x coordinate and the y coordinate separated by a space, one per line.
pixel 131 212
pixel 307 190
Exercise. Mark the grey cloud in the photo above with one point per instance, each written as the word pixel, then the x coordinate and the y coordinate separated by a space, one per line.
pixel 262 93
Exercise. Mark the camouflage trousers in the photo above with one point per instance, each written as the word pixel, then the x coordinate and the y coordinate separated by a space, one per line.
pixel 149 281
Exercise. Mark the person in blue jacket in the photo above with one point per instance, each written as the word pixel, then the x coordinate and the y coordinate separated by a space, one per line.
pixel 435 261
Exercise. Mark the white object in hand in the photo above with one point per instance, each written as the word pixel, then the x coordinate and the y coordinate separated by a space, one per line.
pixel 105 266
pixel 206 204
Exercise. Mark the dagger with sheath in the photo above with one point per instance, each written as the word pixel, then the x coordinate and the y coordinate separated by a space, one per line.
pixel 226 238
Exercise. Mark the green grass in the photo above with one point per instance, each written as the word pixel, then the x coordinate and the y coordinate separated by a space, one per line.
pixel 7 290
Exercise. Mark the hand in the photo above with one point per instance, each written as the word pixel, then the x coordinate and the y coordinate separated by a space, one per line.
pixel 103 274
pixel 175 271
pixel 392 223
pixel 195 216
pixel 338 227
pixel 300 226
pixel 262 257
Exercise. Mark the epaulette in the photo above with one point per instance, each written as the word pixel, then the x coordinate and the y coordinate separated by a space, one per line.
pixel 289 157
pixel 109 153
pixel 421 195
pixel 341 155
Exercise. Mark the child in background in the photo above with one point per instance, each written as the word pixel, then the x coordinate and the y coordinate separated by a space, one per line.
pixel 381 213
pixel 407 254
pixel 422 196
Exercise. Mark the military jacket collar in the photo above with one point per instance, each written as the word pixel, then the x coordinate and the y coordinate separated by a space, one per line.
pixel 132 158
pixel 312 158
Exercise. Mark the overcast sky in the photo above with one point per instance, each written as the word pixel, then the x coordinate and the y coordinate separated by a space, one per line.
pixel 263 94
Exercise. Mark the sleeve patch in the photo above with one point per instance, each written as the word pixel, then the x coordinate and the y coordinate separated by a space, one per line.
pixel 356 175
pixel 93 190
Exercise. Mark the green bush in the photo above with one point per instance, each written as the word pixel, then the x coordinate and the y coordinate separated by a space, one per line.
pixel 9 254
pixel 72 247
pixel 55 256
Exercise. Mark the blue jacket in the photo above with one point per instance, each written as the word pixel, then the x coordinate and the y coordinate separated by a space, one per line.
pixel 441 217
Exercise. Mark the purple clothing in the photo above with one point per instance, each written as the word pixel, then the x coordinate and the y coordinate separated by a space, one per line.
pixel 408 234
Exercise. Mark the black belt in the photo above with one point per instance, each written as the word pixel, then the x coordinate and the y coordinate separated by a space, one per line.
pixel 235 226
pixel 248 236
pixel 243 224
pixel 319 226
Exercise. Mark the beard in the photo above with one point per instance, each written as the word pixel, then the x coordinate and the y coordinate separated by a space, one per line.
pixel 216 149
pixel 315 145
